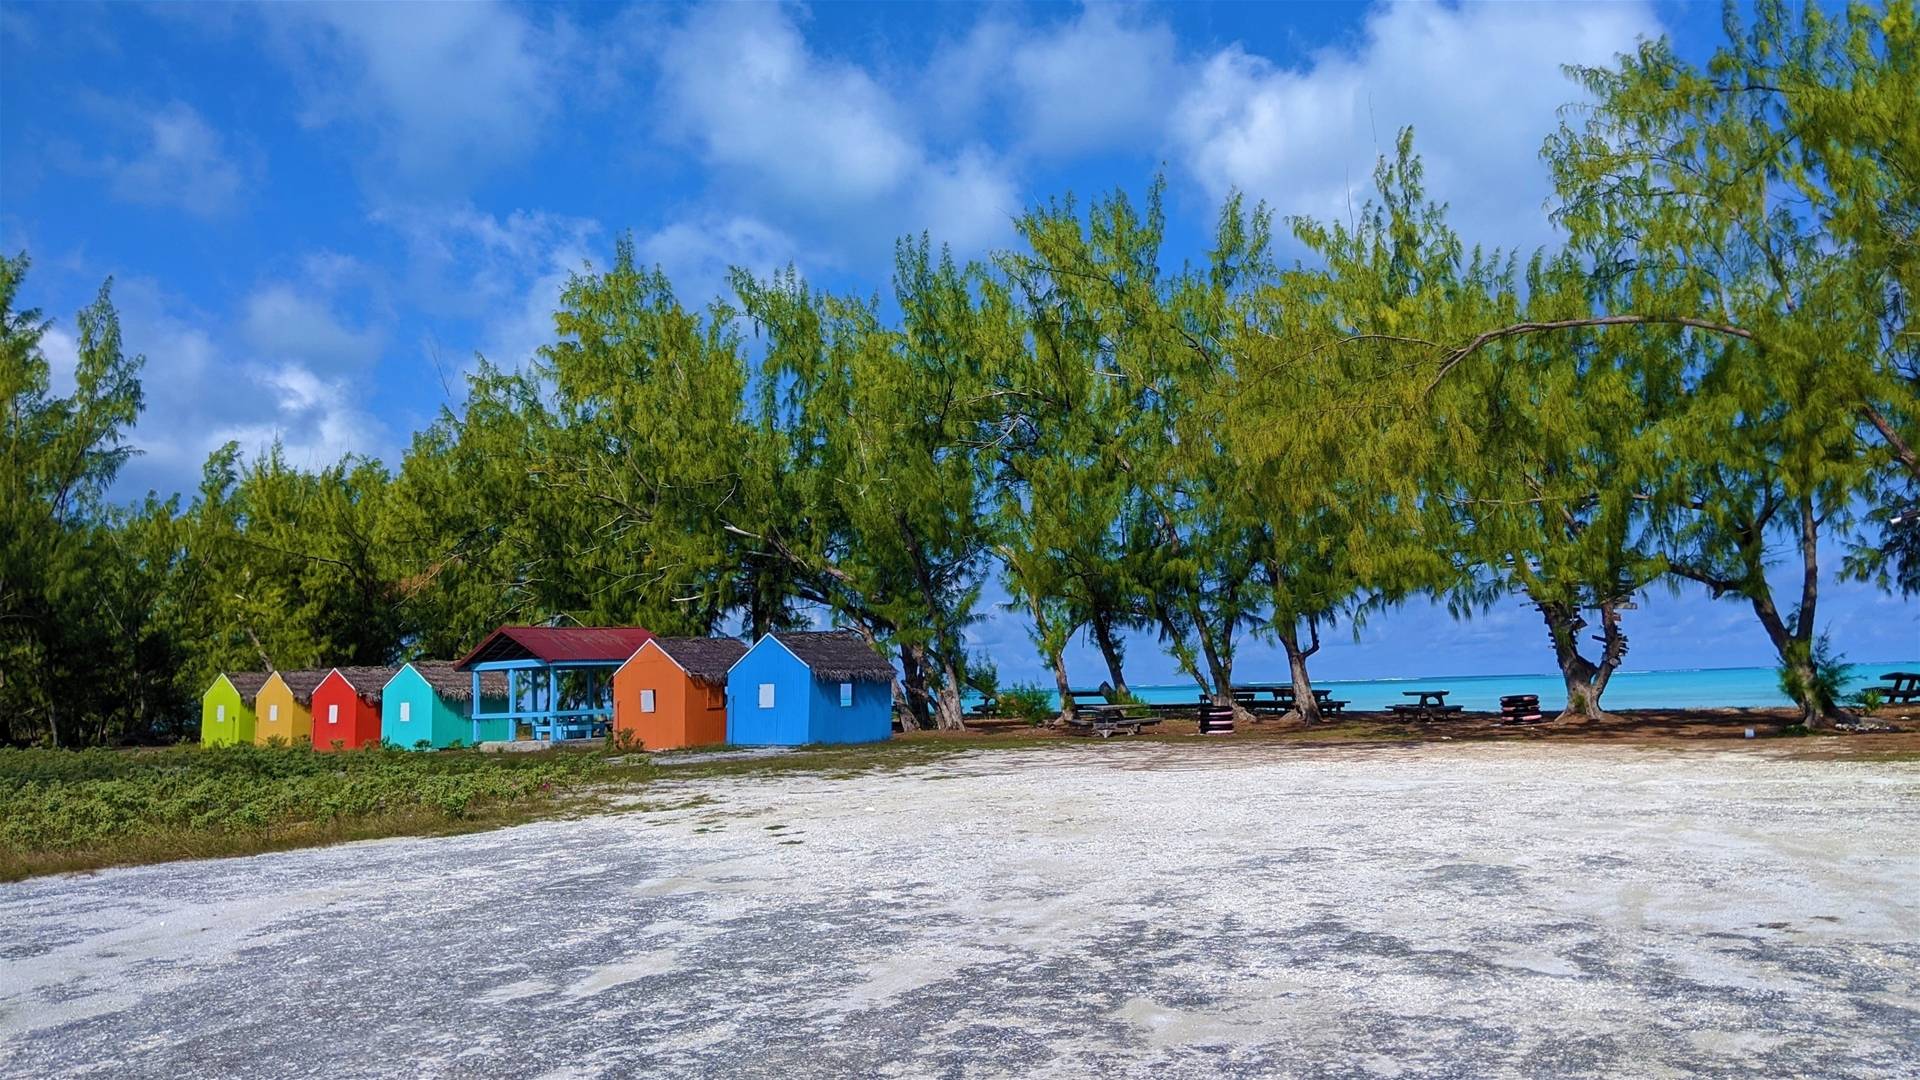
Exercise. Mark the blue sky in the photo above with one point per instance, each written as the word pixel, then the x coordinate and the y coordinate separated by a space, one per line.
pixel 316 216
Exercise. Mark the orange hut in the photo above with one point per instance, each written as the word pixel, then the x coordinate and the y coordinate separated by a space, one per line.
pixel 346 707
pixel 281 709
pixel 671 693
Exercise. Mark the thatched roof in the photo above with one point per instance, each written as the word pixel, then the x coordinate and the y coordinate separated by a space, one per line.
pixel 558 644
pixel 704 658
pixel 367 682
pixel 304 683
pixel 837 655
pixel 247 682
pixel 455 685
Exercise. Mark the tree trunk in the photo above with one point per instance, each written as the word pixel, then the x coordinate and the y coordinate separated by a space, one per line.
pixel 914 687
pixel 759 620
pixel 948 712
pixel 1585 680
pixel 1056 656
pixel 1306 707
pixel 1060 683
pixel 1220 666
pixel 1795 644
pixel 1796 660
pixel 1111 650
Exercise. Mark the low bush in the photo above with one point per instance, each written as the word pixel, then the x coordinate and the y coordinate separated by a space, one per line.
pixel 195 798
pixel 1029 703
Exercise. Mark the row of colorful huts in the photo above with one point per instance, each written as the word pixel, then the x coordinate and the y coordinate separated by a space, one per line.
pixel 552 683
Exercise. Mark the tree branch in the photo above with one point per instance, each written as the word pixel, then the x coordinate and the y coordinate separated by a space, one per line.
pixel 1480 341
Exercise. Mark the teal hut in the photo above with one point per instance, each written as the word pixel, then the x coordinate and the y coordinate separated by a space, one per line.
pixel 791 689
pixel 428 701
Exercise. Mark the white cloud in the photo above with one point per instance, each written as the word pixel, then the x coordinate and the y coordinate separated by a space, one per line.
pixel 316 420
pixel 742 86
pixel 697 254
pixel 286 324
pixel 181 161
pixel 824 140
pixel 968 202
pixel 62 351
pixel 448 90
pixel 1480 85
pixel 207 381
pixel 1096 81
pixel 505 272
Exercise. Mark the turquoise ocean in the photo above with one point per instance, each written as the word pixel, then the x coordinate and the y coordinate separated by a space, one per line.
pixel 1689 688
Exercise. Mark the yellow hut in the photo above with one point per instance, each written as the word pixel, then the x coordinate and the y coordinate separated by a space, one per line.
pixel 283 707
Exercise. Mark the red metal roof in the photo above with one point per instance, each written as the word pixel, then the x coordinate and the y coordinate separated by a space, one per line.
pixel 557 644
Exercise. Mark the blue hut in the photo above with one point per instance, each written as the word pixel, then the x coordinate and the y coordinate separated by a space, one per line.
pixel 809 687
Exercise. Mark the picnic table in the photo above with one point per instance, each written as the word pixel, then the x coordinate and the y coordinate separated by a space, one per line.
pixel 1272 704
pixel 1093 714
pixel 1108 720
pixel 1902 687
pixel 1248 694
pixel 1431 706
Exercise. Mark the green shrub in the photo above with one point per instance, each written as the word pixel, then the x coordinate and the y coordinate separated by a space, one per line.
pixel 1026 702
pixel 1827 677
pixel 64 800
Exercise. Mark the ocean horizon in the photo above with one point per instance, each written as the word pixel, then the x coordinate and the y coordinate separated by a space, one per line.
pixel 1666 688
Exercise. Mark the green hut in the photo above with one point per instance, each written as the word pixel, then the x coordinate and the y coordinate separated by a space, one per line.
pixel 226 709
pixel 429 702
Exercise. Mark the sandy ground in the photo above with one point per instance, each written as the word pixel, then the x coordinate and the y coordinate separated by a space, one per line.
pixel 1092 909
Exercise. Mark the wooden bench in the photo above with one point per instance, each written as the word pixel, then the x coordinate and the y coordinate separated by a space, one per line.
pixel 1109 720
pixel 1430 706
pixel 1251 701
pixel 1903 687
pixel 1088 699
pixel 1283 699
pixel 1215 719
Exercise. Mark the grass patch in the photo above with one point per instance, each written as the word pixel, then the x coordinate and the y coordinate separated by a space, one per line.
pixel 73 810
pixel 65 810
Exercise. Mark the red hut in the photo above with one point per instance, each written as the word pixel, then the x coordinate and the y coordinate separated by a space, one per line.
pixel 346 707
pixel 672 693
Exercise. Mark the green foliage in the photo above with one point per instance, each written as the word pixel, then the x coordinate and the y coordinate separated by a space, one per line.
pixel 1814 672
pixel 1759 239
pixel 1715 376
pixel 1867 700
pixel 1026 702
pixel 61 801
pixel 80 648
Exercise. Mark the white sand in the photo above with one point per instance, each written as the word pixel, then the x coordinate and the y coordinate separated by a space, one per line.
pixel 1126 908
